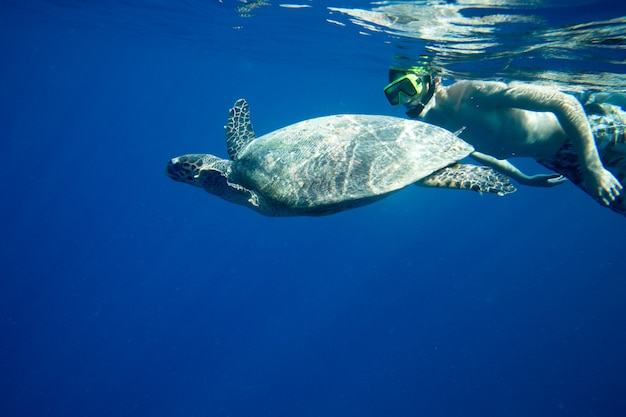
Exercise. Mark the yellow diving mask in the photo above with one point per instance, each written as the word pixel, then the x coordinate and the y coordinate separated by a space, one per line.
pixel 404 89
pixel 408 89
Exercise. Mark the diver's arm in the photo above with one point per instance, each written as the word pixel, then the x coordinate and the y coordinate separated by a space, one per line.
pixel 505 167
pixel 600 183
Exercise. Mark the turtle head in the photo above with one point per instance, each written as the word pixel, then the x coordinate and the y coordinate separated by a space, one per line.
pixel 211 173
pixel 200 170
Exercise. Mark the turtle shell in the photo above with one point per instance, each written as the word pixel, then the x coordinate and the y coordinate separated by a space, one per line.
pixel 341 159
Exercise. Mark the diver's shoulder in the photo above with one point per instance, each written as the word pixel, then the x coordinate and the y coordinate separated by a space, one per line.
pixel 465 88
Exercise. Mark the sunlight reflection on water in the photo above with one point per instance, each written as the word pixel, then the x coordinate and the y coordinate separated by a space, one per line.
pixel 502 39
pixel 578 45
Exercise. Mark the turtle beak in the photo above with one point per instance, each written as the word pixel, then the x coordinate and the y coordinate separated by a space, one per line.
pixel 174 169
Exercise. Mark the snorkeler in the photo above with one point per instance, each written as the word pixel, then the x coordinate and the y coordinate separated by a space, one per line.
pixel 503 121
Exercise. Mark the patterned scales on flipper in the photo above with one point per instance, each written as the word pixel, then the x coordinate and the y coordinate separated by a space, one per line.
pixel 239 131
pixel 469 177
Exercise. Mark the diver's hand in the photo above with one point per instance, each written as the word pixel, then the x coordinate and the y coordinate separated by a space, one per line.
pixel 603 186
pixel 543 180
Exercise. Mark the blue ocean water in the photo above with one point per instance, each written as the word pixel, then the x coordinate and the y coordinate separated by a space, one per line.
pixel 124 293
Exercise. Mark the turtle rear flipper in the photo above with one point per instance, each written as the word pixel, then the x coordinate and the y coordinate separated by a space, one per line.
pixel 469 177
pixel 239 131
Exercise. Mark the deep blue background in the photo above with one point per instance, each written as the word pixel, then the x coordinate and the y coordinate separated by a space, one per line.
pixel 124 293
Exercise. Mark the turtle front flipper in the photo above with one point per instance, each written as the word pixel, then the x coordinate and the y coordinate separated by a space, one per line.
pixel 469 177
pixel 239 131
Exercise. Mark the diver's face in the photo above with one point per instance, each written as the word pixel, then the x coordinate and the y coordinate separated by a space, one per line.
pixel 417 100
pixel 418 106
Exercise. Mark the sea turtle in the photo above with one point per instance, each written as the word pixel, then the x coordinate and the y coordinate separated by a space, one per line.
pixel 333 163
